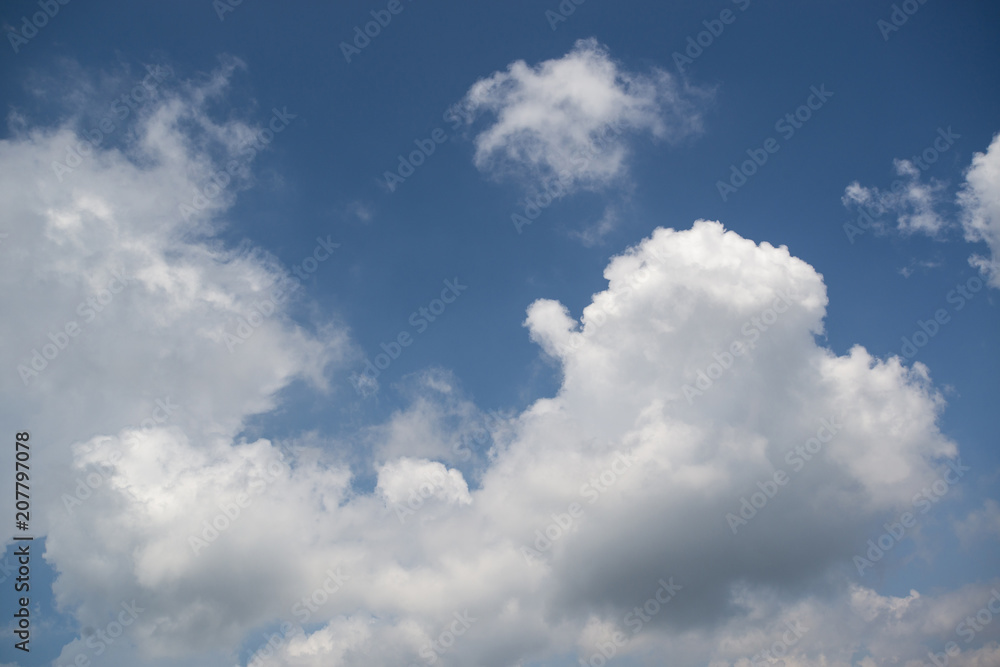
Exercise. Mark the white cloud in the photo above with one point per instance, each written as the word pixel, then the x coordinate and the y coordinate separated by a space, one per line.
pixel 435 425
pixel 618 481
pixel 980 201
pixel 403 479
pixel 915 205
pixel 569 118
pixel 884 629
pixel 619 433
pixel 123 306
pixel 911 201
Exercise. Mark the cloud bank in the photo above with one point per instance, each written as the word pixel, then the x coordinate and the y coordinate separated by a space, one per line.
pixel 639 511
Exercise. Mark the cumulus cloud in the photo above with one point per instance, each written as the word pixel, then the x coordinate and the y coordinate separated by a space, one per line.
pixel 980 202
pixel 598 493
pixel 618 485
pixel 130 331
pixel 569 119
pixel 687 385
pixel 857 626
pixel 403 479
pixel 108 253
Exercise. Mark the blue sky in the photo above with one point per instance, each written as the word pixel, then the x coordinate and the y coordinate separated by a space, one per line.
pixel 521 378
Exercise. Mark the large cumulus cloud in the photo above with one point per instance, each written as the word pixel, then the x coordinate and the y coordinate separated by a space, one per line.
pixel 687 385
